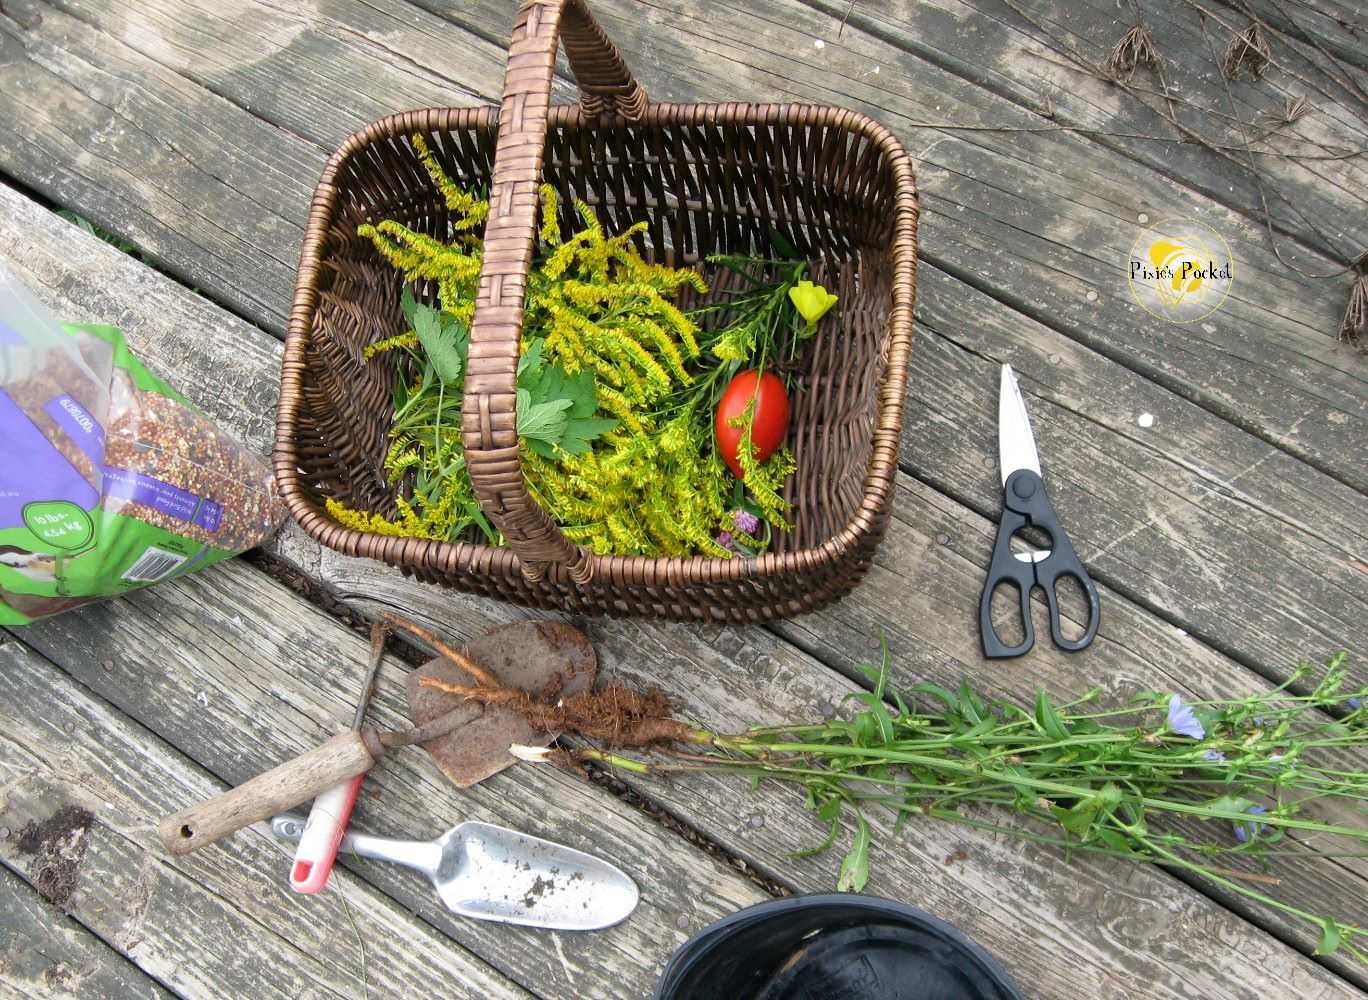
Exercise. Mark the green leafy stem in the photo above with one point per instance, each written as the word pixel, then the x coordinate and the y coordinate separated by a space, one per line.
pixel 1125 783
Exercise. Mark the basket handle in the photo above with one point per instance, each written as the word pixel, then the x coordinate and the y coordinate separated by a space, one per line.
pixel 489 412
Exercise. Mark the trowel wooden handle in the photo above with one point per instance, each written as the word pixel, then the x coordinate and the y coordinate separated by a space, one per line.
pixel 278 789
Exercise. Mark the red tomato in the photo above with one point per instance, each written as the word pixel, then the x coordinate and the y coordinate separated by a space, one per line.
pixel 771 417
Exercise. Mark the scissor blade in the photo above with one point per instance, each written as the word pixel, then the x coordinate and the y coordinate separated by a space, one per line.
pixel 1016 443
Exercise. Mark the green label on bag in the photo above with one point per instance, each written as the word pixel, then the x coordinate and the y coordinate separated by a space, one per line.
pixel 60 524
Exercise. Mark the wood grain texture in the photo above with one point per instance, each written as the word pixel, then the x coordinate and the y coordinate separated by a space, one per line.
pixel 1099 915
pixel 364 60
pixel 1035 211
pixel 232 668
pixel 1264 367
pixel 1276 628
pixel 922 593
pixel 49 956
pixel 1260 555
pixel 1043 219
pixel 200 927
pixel 214 194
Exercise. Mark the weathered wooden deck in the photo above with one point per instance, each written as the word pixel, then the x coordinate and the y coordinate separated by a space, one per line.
pixel 1227 538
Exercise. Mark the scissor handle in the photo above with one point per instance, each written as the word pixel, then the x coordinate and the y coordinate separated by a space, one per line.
pixel 1024 503
pixel 1006 568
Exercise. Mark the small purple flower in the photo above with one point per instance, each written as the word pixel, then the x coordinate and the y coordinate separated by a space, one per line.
pixel 725 540
pixel 745 522
pixel 1215 756
pixel 1245 832
pixel 1355 703
pixel 1182 721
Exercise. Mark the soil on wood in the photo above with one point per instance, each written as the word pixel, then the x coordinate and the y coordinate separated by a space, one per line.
pixel 58 845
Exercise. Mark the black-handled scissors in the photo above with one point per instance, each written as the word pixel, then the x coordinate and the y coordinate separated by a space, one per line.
pixel 1024 505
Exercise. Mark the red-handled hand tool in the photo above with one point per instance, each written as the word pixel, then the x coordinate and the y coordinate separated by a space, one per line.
pixel 317 851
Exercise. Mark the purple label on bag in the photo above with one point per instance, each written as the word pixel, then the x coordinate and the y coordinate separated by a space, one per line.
pixel 83 429
pixel 10 337
pixel 124 485
pixel 209 516
pixel 32 470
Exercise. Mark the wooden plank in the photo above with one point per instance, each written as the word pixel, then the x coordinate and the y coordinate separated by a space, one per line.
pixel 1021 212
pixel 215 194
pixel 1184 493
pixel 238 673
pixel 94 781
pixel 1023 50
pixel 363 583
pixel 1025 205
pixel 1003 893
pixel 922 593
pixel 47 955
pixel 1338 26
pixel 1190 493
pixel 245 50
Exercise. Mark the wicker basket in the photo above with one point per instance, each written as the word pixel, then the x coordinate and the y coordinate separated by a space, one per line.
pixel 707 178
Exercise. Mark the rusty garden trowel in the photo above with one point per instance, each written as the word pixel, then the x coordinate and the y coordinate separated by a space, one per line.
pixel 468 741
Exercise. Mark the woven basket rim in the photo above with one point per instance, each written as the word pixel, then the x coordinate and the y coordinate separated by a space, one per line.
pixel 626 570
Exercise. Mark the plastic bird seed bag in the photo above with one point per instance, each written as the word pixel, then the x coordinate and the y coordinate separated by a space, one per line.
pixel 109 479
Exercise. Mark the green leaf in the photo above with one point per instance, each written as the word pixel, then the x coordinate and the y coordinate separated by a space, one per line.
pixel 830 809
pixel 1048 719
pixel 573 398
pixel 541 421
pixel 1078 819
pixel 855 866
pixel 408 304
pixel 866 729
pixel 580 431
pixel 971 706
pixel 783 248
pixel 1330 937
pixel 824 845
pixel 941 694
pixel 578 388
pixel 530 365
pixel 1109 795
pixel 1230 803
pixel 439 336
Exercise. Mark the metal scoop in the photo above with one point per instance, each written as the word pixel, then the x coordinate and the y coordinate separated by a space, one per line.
pixel 492 873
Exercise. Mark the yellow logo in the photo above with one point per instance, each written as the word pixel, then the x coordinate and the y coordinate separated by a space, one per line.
pixel 1180 270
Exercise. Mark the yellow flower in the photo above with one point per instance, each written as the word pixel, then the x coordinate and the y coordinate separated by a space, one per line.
pixel 812 301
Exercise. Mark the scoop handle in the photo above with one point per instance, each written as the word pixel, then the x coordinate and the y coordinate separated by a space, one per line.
pixel 278 789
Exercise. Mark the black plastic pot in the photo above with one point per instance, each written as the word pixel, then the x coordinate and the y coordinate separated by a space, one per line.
pixel 833 946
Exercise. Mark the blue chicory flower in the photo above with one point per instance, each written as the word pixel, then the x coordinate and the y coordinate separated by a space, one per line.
pixel 1215 756
pixel 1355 703
pixel 745 522
pixel 1182 721
pixel 1245 832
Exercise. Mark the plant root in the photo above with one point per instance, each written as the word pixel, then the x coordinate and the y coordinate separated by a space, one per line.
pixel 616 715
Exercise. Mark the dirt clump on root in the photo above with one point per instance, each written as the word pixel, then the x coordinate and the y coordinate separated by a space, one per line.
pixel 615 715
